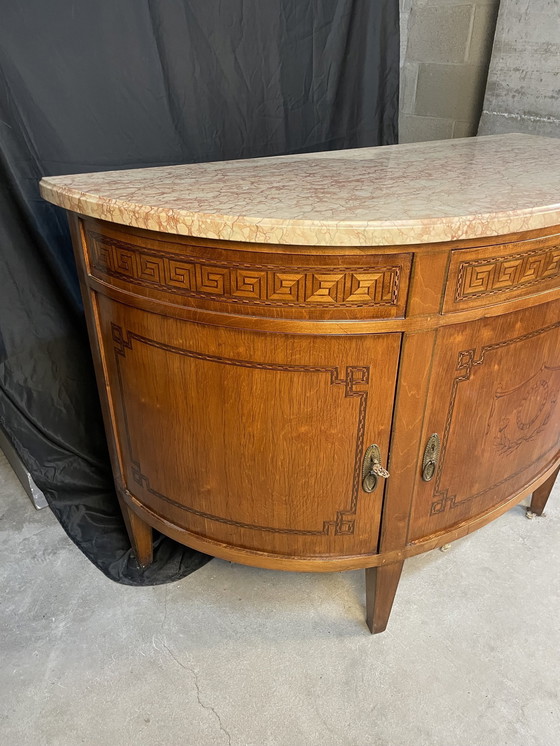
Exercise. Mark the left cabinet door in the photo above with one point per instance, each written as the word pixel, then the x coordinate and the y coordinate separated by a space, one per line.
pixel 248 438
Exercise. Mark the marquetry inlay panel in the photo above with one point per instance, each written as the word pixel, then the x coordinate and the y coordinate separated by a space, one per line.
pixel 496 411
pixel 377 282
pixel 517 415
pixel 484 276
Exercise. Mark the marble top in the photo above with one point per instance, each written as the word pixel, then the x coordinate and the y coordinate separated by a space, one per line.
pixel 396 194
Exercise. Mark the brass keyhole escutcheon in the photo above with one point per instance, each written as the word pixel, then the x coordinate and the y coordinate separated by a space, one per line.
pixel 431 456
pixel 372 469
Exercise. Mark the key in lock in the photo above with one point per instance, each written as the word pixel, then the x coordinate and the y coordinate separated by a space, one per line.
pixel 372 469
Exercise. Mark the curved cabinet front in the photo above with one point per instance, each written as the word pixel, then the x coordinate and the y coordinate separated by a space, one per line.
pixel 252 439
pixel 494 402
pixel 243 384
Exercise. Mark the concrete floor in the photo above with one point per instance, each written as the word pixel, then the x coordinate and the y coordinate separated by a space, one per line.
pixel 235 655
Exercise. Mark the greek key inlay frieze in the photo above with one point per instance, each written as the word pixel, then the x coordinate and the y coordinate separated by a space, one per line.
pixel 482 277
pixel 256 284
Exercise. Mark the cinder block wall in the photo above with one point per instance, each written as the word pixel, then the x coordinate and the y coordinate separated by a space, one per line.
pixel 445 52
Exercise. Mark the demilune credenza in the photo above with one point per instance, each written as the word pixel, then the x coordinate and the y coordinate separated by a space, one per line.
pixel 330 361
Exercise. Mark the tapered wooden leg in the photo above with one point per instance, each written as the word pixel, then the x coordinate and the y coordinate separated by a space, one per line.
pixel 381 586
pixel 541 494
pixel 140 535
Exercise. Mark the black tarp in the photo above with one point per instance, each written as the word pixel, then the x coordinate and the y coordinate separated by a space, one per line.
pixel 99 85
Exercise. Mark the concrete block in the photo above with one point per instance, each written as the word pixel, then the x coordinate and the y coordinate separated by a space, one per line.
pixel 409 76
pixel 450 91
pixel 439 34
pixel 482 37
pixel 420 129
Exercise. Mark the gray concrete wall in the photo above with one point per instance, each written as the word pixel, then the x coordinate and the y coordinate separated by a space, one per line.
pixel 523 93
pixel 445 53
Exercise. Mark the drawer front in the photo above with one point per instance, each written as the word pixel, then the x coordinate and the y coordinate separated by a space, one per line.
pixel 240 281
pixel 484 277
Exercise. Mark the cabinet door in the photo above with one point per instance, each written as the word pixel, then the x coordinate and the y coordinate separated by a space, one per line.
pixel 494 402
pixel 252 439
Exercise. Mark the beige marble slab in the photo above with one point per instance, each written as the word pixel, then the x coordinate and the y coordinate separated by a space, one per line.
pixel 398 194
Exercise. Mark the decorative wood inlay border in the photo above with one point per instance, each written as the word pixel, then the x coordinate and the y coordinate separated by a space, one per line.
pixel 355 375
pixel 499 274
pixel 466 362
pixel 536 398
pixel 255 284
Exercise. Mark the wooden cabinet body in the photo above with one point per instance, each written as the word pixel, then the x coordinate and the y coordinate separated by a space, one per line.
pixel 243 383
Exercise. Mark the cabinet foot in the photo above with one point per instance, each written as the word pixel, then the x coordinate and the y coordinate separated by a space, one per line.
pixel 381 586
pixel 541 495
pixel 140 535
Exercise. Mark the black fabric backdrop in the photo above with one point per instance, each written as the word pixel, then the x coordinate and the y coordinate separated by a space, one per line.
pixel 92 86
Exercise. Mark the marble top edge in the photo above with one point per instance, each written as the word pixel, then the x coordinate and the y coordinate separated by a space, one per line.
pixel 395 194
